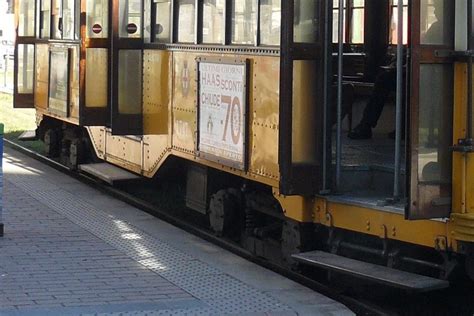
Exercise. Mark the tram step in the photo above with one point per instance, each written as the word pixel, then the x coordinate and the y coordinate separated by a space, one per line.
pixel 107 172
pixel 372 272
pixel 27 136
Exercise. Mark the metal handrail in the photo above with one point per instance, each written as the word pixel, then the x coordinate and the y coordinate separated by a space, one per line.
pixel 399 104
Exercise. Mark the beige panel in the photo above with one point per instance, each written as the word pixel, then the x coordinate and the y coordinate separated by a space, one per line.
pixel 96 77
pixel 42 71
pixel 157 78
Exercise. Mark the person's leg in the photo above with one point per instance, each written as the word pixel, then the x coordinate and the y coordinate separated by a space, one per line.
pixel 384 84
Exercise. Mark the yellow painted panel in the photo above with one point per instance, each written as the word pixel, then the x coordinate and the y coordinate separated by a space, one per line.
pixel 155 151
pixel 156 91
pixel 184 81
pixel 264 116
pixel 124 151
pixel 96 77
pixel 42 71
pixel 184 127
pixel 74 83
pixel 375 222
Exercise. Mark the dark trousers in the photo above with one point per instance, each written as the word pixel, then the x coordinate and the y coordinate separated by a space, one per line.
pixel 385 83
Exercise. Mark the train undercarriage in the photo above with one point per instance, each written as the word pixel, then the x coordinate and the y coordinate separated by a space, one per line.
pixel 248 213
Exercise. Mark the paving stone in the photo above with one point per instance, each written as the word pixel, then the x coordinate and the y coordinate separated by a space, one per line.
pixel 68 255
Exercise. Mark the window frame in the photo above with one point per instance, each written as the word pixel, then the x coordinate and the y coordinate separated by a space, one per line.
pixel 391 7
pixel 198 27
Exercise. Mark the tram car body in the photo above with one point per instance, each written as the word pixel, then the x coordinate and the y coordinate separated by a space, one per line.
pixel 243 92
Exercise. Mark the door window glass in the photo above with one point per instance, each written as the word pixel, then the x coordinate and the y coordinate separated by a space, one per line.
pixel 129 82
pixel 270 22
pixel 436 25
pixel 97 18
pixel 26 18
pixel 244 21
pixel 161 29
pixel 26 62
pixel 130 18
pixel 435 123
pixel 213 21
pixel 306 21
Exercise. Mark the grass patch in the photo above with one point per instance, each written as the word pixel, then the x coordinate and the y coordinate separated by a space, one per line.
pixel 17 121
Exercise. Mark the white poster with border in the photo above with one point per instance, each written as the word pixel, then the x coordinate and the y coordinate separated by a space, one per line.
pixel 222 106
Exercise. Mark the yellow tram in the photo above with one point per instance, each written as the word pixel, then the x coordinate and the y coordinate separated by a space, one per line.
pixel 255 98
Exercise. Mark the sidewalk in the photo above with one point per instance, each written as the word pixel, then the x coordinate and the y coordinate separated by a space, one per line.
pixel 69 249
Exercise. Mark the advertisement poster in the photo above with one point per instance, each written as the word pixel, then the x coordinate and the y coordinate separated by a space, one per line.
pixel 222 105
pixel 58 81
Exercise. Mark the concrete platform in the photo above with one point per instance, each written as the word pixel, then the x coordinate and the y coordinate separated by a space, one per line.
pixel 69 249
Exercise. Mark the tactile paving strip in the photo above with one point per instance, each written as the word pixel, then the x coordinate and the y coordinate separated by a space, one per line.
pixel 223 293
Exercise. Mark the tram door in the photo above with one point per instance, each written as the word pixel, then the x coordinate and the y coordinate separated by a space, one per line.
pixel 95 56
pixel 24 64
pixel 431 109
pixel 126 63
pixel 301 96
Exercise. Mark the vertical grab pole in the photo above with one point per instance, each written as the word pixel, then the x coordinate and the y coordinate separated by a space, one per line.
pixel 398 126
pixel 327 91
pixel 339 93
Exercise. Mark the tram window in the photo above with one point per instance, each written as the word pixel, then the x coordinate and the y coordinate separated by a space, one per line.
pixel 186 21
pixel 335 22
pixel 357 22
pixel 55 19
pixel 129 82
pixel 270 22
pixel 213 21
pixel 436 22
pixel 306 21
pixel 244 21
pixel 354 19
pixel 97 18
pixel 130 18
pixel 26 23
pixel 26 62
pixel 45 17
pixel 68 21
pixel 394 22
pixel 161 28
pixel 435 123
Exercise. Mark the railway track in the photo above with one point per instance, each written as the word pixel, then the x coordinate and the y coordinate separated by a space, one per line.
pixel 357 302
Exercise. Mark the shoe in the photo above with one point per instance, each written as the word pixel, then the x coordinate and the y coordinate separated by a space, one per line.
pixel 361 131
